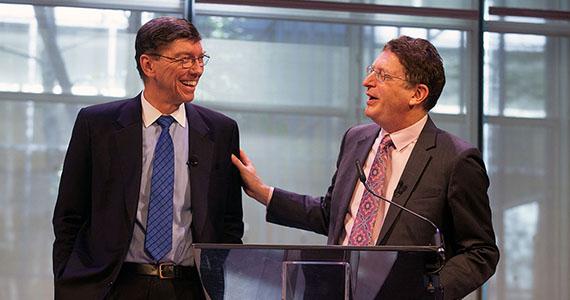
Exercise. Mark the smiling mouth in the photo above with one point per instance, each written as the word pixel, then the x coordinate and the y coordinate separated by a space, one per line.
pixel 190 83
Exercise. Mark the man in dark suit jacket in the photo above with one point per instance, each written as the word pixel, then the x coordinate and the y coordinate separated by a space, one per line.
pixel 430 172
pixel 100 219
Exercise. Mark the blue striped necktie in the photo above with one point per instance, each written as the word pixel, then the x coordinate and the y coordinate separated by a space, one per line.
pixel 158 239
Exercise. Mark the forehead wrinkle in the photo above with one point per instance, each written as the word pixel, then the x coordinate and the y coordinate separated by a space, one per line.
pixel 183 47
pixel 390 58
pixel 187 53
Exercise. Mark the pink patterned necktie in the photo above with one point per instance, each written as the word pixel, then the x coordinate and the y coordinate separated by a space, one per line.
pixel 370 206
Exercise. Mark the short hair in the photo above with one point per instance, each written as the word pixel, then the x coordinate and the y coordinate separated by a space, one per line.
pixel 160 32
pixel 422 64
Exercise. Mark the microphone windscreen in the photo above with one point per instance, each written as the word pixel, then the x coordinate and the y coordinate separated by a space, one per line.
pixel 360 171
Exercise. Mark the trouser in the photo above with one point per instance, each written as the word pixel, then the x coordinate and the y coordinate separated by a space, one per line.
pixel 131 285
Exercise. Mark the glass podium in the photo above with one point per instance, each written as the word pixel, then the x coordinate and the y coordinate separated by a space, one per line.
pixel 294 272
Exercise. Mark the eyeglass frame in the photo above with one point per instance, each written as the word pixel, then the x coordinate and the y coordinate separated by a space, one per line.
pixel 381 76
pixel 186 59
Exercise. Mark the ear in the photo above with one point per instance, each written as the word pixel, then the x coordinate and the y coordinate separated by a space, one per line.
pixel 147 65
pixel 421 92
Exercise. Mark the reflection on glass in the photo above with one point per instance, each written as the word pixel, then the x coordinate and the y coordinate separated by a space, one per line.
pixel 275 62
pixel 463 4
pixel 515 75
pixel 75 51
pixel 292 152
pixel 34 138
pixel 316 272
pixel 526 150
pixel 520 229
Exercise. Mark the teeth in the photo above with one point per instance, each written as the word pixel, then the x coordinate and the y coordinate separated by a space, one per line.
pixel 189 82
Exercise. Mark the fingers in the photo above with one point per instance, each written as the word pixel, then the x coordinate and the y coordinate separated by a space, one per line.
pixel 244 158
pixel 243 162
pixel 237 162
pixel 252 184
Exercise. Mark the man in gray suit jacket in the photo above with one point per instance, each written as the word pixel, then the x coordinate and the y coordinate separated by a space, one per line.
pixel 421 167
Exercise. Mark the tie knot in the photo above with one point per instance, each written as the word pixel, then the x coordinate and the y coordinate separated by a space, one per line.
pixel 165 121
pixel 386 142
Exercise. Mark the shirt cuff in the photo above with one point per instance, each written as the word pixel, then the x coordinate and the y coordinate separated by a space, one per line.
pixel 270 194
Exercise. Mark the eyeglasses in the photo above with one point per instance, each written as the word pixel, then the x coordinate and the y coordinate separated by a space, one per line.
pixel 186 61
pixel 382 76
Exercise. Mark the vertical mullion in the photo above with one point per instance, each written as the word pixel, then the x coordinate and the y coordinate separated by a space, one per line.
pixel 189 10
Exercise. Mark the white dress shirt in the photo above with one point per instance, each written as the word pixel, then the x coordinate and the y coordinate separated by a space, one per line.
pixel 404 141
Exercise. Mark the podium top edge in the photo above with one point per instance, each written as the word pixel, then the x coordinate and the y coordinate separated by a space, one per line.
pixel 316 247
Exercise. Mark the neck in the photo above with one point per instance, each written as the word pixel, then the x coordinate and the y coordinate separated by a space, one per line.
pixel 157 102
pixel 403 123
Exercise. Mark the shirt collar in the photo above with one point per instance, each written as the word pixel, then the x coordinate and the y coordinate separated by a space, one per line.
pixel 150 114
pixel 402 138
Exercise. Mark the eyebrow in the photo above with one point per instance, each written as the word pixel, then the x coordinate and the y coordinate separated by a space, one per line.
pixel 376 68
pixel 388 72
pixel 186 54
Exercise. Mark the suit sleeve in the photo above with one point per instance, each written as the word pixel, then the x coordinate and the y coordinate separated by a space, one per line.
pixel 233 217
pixel 472 236
pixel 73 200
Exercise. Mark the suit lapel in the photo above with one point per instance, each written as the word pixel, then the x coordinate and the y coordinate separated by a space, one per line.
pixel 128 139
pixel 417 163
pixel 200 154
pixel 347 176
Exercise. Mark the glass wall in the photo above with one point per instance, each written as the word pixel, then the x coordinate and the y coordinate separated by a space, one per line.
pixel 526 129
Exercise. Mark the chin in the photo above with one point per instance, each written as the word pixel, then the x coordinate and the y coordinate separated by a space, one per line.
pixel 186 98
pixel 374 117
pixel 368 111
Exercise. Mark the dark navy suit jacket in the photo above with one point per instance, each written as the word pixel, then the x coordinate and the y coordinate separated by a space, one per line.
pixel 99 191
pixel 444 180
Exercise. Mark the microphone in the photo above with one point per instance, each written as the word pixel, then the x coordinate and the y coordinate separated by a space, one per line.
pixel 437 237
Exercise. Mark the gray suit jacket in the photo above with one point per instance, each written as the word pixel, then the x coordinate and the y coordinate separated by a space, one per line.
pixel 444 179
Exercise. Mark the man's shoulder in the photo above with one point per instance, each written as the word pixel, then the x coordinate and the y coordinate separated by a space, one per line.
pixel 367 127
pixel 109 109
pixel 363 130
pixel 448 143
pixel 453 142
pixel 209 115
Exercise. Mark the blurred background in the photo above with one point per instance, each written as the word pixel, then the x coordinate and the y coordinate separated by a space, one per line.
pixel 290 73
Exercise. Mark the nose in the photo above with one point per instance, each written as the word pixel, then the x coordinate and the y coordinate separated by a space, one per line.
pixel 369 80
pixel 196 69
